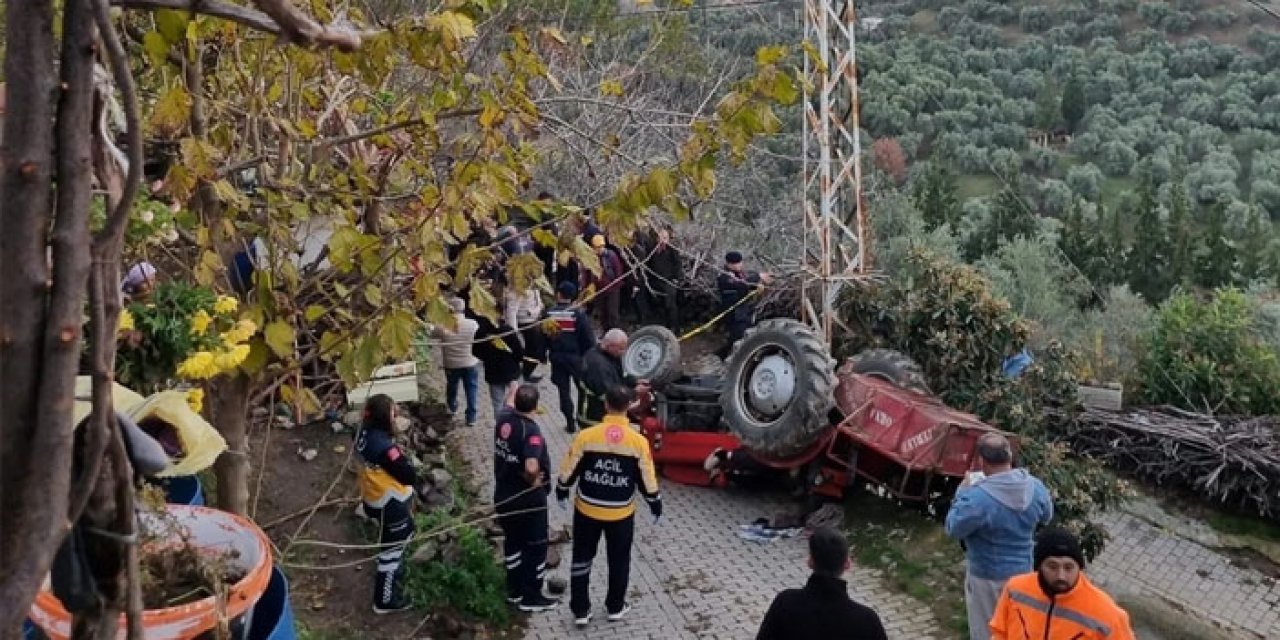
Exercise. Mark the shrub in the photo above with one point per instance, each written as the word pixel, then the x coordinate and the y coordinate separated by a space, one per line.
pixel 944 315
pixel 472 583
pixel 1206 356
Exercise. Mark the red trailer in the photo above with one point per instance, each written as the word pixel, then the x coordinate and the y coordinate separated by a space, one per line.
pixel 782 402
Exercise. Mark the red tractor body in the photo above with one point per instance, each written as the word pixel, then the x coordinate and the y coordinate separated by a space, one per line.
pixel 904 440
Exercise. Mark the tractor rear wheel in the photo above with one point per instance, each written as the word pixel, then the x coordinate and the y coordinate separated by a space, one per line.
pixel 891 366
pixel 653 354
pixel 778 388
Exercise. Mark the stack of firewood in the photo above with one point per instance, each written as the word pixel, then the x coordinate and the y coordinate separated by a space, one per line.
pixel 1230 460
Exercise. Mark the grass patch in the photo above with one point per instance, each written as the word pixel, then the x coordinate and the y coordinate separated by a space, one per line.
pixel 914 554
pixel 1239 525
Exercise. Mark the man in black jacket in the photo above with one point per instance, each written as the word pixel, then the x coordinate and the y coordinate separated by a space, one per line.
pixel 823 608
pixel 601 371
pixel 521 483
pixel 735 283
pixel 657 298
pixel 499 350
pixel 570 337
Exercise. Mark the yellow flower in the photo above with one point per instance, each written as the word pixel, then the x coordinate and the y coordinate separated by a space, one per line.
pixel 225 305
pixel 199 366
pixel 200 322
pixel 195 399
pixel 232 358
pixel 243 330
pixel 126 320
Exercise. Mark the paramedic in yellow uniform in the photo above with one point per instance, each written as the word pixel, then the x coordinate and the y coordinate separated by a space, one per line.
pixel 386 483
pixel 609 462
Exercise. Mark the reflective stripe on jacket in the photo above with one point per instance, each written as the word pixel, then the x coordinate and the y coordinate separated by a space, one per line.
pixel 1085 612
pixel 609 462
pixel 378 486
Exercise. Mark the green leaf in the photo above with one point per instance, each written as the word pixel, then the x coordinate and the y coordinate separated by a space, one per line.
pixel 279 336
pixel 314 312
pixel 157 48
pixel 397 332
pixel 373 295
pixel 482 302
pixel 259 355
pixel 172 24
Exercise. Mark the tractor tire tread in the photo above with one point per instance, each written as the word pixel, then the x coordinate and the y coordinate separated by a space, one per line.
pixel 806 417
pixel 893 365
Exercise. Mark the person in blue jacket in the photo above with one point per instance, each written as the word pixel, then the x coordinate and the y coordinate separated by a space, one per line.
pixel 387 482
pixel 995 517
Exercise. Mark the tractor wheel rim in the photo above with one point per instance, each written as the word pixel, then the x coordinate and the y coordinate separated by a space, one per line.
pixel 770 386
pixel 642 357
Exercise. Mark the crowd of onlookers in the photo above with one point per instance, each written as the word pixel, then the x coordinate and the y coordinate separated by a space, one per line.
pixel 1023 579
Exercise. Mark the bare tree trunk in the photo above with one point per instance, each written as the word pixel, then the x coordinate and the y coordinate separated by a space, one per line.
pixel 228 408
pixel 40 330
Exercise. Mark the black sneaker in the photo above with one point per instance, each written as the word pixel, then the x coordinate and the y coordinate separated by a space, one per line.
pixel 538 603
pixel 392 606
pixel 615 616
pixel 514 599
pixel 582 621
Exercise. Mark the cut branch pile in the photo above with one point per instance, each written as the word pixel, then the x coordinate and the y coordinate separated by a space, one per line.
pixel 1231 460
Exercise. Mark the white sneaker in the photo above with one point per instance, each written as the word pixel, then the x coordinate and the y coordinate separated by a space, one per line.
pixel 614 617
pixel 583 621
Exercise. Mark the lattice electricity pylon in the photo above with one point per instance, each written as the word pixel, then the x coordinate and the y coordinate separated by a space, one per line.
pixel 835 211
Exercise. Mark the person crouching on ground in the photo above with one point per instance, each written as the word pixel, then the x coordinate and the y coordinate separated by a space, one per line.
pixel 609 462
pixel 823 608
pixel 521 482
pixel 386 488
pixel 1057 601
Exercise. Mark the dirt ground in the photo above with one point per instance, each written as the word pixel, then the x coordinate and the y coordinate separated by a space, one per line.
pixel 328 603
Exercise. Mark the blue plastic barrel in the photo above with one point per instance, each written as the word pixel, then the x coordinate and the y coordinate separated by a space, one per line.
pixel 184 490
pixel 272 616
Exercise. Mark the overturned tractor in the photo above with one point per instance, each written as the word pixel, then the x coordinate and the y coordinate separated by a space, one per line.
pixel 783 402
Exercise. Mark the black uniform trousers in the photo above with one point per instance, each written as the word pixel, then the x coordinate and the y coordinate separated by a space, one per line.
pixel 586 540
pixel 524 545
pixel 395 528
pixel 566 373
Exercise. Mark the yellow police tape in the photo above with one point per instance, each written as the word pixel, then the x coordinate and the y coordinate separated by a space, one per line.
pixel 712 322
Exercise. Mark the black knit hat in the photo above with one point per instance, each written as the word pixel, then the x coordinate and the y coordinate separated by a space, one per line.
pixel 733 257
pixel 1056 542
pixel 567 289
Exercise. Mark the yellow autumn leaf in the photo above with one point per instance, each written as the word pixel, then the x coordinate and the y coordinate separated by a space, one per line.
pixel 611 88
pixel 169 116
pixel 279 336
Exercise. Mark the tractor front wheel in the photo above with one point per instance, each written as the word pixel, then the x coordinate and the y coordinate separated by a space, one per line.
pixel 778 388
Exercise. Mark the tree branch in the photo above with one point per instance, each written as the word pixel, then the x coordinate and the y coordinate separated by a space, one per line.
pixel 215 8
pixel 396 126
pixel 112 233
pixel 277 17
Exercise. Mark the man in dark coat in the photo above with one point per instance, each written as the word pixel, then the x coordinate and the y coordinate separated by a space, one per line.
pixel 658 300
pixel 601 371
pixel 569 339
pixel 499 350
pixel 736 283
pixel 822 608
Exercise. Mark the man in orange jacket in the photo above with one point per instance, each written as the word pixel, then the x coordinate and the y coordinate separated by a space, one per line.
pixel 1056 601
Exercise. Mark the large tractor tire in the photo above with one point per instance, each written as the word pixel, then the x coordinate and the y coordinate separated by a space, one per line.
pixel 778 388
pixel 891 366
pixel 653 354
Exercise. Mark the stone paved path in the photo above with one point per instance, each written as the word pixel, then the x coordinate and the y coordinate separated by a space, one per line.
pixel 691 576
pixel 1145 560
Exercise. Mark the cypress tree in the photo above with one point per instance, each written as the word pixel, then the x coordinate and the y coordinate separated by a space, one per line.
pixel 1147 264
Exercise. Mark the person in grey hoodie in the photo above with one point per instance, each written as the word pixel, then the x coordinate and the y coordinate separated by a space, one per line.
pixel 995 518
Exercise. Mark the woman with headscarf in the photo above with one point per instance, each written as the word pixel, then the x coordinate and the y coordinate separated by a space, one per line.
pixel 139 281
